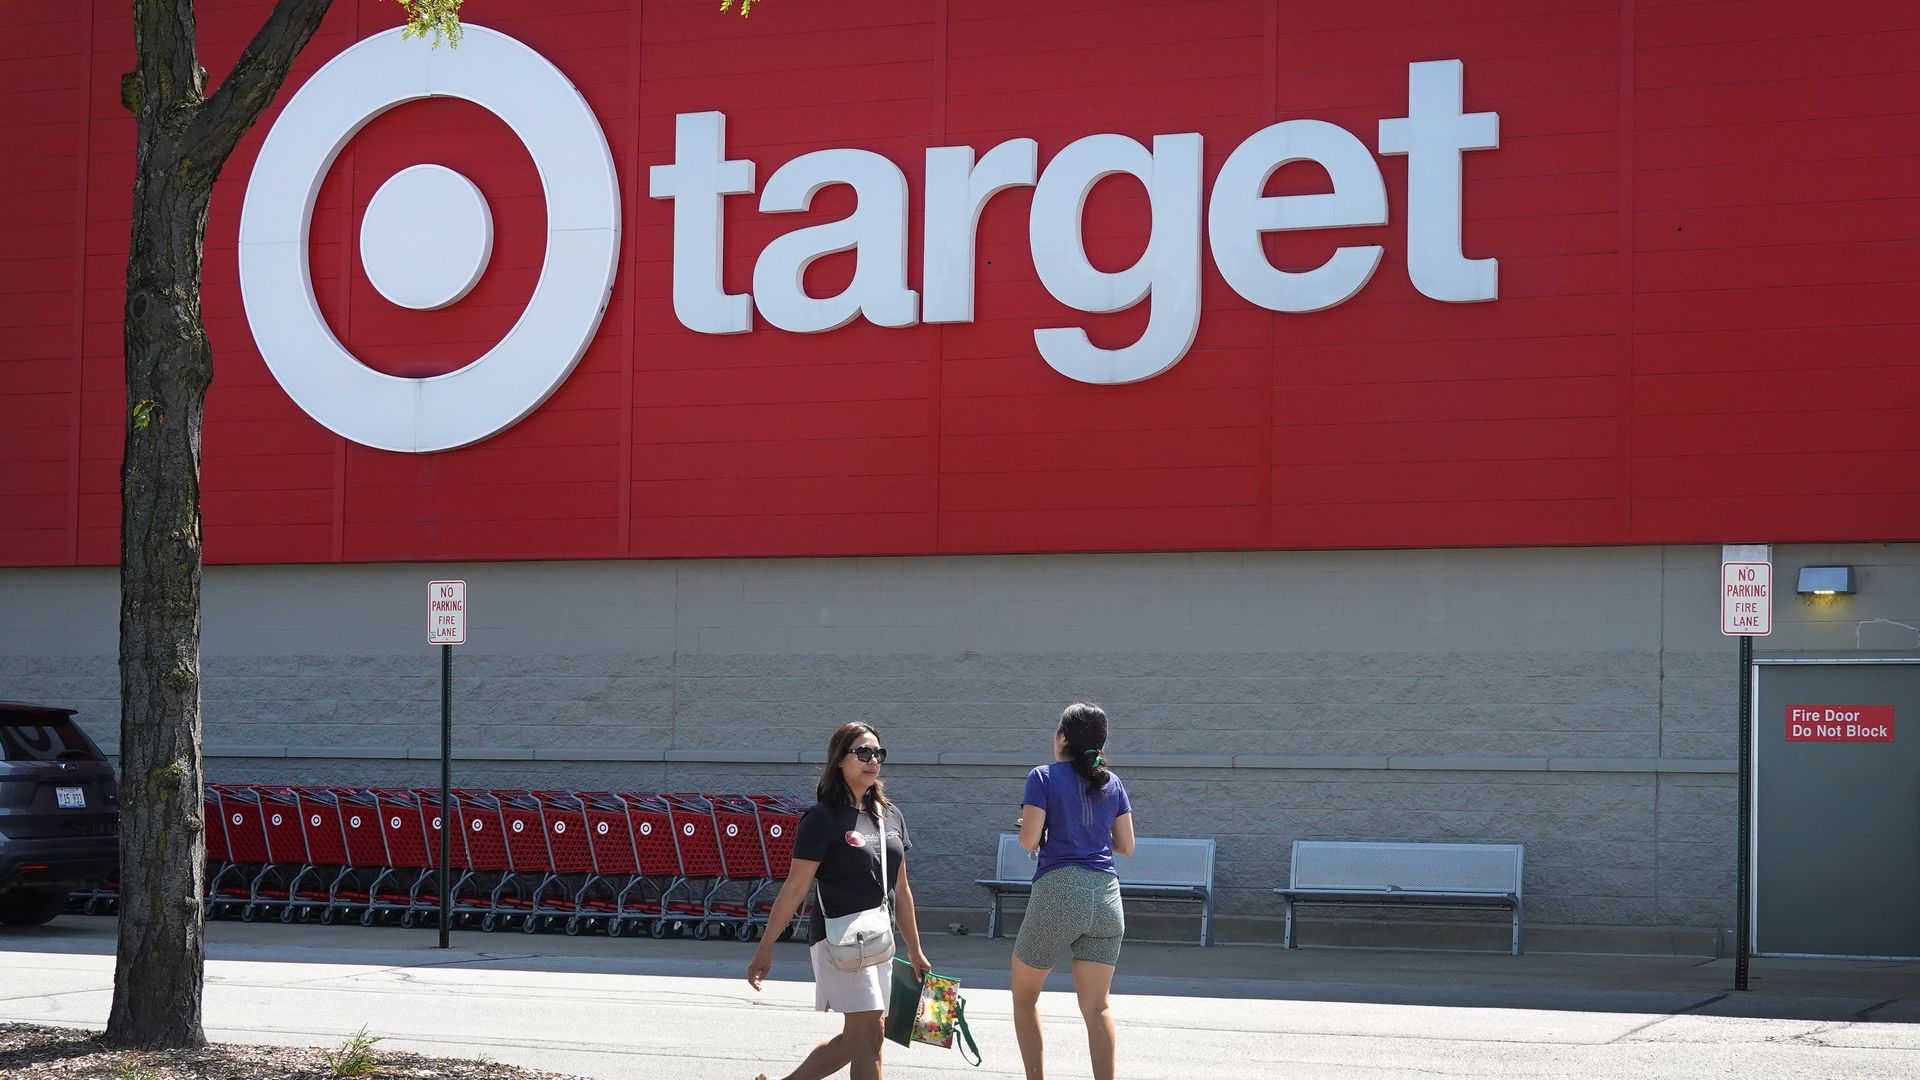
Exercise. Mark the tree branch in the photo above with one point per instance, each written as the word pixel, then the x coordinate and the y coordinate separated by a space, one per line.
pixel 255 79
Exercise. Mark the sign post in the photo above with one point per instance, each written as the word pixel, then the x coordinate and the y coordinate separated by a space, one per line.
pixel 446 627
pixel 1746 611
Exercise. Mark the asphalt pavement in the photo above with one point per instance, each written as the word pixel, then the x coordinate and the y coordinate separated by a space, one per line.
pixel 681 1009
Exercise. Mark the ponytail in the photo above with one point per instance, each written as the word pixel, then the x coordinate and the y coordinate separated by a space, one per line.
pixel 1085 728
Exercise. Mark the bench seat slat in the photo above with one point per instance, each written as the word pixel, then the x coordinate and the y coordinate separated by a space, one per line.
pixel 1410 896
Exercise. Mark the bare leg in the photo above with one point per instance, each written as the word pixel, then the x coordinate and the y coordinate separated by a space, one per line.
pixel 864 1034
pixel 827 1058
pixel 1091 982
pixel 1027 982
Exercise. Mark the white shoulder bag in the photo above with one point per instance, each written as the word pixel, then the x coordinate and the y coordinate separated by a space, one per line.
pixel 863 938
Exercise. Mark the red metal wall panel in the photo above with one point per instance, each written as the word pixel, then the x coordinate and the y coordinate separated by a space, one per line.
pixel 1708 234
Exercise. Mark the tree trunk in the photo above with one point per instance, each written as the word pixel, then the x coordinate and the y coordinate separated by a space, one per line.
pixel 162 948
pixel 183 140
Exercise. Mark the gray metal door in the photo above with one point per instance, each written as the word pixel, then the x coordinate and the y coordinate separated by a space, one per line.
pixel 1836 864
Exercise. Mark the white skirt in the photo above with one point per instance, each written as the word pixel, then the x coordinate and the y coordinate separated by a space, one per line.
pixel 839 991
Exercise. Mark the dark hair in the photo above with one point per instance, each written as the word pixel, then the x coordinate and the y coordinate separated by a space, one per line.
pixel 832 788
pixel 1085 726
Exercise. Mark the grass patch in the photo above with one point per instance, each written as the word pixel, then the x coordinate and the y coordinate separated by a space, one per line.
pixel 355 1057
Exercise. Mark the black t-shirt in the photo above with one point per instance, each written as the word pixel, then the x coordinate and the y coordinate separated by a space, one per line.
pixel 845 842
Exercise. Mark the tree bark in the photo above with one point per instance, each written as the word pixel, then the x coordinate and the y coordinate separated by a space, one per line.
pixel 182 142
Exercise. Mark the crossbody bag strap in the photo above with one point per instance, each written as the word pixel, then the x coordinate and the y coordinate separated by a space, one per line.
pixel 886 883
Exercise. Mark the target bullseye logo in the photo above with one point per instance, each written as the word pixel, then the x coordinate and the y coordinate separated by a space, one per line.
pixel 426 239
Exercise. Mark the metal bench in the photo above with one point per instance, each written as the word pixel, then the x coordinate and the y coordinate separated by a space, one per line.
pixel 1405 875
pixel 1160 868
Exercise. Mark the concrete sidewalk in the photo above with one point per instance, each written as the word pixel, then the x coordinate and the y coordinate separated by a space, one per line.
pixel 1568 980
pixel 681 1009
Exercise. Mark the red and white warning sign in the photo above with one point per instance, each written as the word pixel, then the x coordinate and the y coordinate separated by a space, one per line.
pixel 446 613
pixel 1839 723
pixel 1746 598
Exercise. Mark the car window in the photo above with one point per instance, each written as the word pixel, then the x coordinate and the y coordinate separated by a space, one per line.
pixel 42 738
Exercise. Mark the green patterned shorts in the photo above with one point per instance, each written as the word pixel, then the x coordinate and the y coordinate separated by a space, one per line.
pixel 1075 907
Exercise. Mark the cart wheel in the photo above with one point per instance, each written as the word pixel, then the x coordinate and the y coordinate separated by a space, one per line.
pixel 247 913
pixel 529 924
pixel 326 916
pixel 616 927
pixel 487 922
pixel 366 917
pixel 701 931
pixel 91 907
pixel 658 928
pixel 744 932
pixel 406 920
pixel 573 926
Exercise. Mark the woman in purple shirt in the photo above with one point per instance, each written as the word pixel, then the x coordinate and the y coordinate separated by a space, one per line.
pixel 1075 816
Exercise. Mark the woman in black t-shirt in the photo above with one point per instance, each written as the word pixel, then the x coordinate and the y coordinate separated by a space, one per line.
pixel 837 847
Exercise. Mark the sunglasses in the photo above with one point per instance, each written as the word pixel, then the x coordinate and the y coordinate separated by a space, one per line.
pixel 870 753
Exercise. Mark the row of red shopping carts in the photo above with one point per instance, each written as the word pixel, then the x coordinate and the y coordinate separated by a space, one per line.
pixel 582 861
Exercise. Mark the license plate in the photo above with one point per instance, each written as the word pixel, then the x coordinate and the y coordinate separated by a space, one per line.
pixel 71 798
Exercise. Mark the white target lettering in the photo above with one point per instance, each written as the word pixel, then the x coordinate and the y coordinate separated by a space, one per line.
pixel 480 826
pixel 559 827
pixel 436 823
pixel 314 821
pixel 775 831
pixel 518 827
pixel 687 829
pixel 646 828
pixel 601 828
pixel 425 240
pixel 277 819
pixel 237 819
pixel 732 831
pixel 394 822
pixel 353 822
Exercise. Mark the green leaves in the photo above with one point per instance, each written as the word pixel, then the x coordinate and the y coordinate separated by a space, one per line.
pixel 144 413
pixel 746 6
pixel 441 18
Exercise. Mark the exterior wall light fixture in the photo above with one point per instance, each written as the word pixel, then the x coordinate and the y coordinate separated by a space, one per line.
pixel 1825 580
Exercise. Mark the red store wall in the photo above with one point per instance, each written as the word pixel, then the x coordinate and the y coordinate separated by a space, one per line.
pixel 1705 214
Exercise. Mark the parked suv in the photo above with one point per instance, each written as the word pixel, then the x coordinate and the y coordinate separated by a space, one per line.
pixel 59 813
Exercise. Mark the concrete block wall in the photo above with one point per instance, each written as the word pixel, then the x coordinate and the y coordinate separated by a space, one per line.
pixel 1580 701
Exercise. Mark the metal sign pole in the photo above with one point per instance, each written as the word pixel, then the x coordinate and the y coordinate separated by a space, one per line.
pixel 446 783
pixel 1746 610
pixel 1743 858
